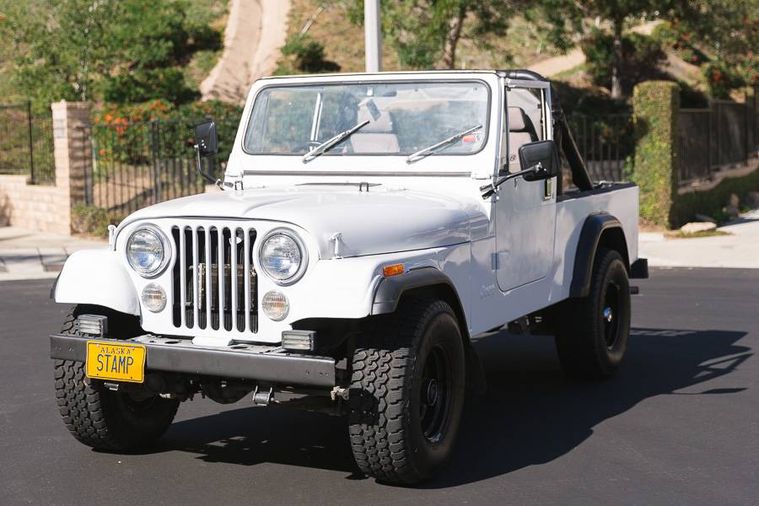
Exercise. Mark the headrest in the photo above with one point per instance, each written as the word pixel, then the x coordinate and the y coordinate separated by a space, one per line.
pixel 382 125
pixel 517 119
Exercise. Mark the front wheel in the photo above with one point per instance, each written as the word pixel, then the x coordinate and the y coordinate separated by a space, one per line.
pixel 592 331
pixel 104 419
pixel 407 393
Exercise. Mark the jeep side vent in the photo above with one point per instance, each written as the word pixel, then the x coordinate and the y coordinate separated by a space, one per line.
pixel 215 285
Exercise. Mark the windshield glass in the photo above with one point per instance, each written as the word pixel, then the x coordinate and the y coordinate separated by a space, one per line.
pixel 403 118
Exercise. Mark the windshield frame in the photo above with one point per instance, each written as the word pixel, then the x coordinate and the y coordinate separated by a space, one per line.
pixel 323 83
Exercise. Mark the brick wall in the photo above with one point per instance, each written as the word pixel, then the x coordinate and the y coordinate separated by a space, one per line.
pixel 43 208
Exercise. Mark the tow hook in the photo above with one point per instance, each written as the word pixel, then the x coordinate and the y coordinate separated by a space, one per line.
pixel 262 397
pixel 339 393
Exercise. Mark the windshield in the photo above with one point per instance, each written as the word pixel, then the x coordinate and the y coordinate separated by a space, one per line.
pixel 403 118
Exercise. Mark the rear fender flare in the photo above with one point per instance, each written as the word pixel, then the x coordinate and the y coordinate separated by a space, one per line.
pixel 597 228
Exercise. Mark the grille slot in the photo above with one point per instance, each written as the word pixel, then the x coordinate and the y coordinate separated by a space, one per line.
pixel 214 282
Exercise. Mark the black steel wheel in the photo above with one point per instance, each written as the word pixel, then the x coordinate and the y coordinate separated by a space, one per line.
pixel 592 332
pixel 407 392
pixel 435 394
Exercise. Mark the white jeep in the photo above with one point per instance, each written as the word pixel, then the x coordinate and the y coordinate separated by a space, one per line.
pixel 371 227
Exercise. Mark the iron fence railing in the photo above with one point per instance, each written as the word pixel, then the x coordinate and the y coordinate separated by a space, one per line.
pixel 26 143
pixel 726 133
pixel 606 143
pixel 139 164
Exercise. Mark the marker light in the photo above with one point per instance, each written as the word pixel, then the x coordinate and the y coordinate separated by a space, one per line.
pixel 275 305
pixel 154 298
pixel 392 270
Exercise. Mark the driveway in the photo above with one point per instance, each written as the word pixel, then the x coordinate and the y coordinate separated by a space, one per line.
pixel 676 426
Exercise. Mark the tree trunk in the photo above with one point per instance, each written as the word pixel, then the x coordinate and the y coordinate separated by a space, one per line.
pixel 452 39
pixel 616 66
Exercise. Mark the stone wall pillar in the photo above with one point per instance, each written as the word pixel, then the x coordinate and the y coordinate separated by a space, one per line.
pixel 73 149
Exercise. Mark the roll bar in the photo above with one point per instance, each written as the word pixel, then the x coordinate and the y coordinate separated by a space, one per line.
pixel 562 134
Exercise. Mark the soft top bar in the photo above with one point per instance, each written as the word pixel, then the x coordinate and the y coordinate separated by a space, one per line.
pixel 523 75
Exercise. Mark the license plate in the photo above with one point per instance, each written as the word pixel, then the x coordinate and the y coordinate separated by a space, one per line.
pixel 117 362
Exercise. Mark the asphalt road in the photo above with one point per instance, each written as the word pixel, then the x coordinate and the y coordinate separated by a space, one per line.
pixel 678 425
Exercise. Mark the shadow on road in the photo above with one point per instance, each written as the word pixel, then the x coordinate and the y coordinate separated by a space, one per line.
pixel 530 415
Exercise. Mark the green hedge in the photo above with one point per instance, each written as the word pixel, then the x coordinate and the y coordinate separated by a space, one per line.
pixel 655 106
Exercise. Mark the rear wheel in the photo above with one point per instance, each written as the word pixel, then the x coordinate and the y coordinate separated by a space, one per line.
pixel 593 331
pixel 407 393
pixel 99 417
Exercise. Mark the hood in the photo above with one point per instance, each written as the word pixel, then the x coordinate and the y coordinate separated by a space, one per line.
pixel 380 220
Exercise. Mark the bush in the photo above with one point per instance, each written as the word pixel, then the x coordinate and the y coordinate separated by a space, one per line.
pixel 641 55
pixel 588 101
pixel 92 220
pixel 674 37
pixel 127 133
pixel 149 84
pixel 721 79
pixel 303 54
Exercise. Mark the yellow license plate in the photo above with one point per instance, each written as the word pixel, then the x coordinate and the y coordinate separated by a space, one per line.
pixel 117 362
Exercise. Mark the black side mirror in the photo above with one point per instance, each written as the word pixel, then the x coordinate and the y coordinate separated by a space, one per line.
pixel 542 157
pixel 206 141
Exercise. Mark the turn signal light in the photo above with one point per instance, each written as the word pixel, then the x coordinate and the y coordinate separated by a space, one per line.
pixel 298 340
pixel 392 270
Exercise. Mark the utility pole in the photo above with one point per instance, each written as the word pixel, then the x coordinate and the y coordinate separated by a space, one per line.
pixel 372 36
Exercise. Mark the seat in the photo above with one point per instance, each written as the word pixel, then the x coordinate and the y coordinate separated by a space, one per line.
pixel 521 132
pixel 376 137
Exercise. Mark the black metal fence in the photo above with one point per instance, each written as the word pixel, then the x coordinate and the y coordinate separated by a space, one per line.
pixel 606 143
pixel 139 164
pixel 26 143
pixel 724 134
pixel 134 165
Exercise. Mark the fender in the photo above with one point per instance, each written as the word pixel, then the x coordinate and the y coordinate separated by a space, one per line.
pixel 590 238
pixel 97 276
pixel 390 290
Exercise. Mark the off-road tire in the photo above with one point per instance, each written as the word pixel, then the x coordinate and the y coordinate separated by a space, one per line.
pixel 591 342
pixel 388 414
pixel 101 418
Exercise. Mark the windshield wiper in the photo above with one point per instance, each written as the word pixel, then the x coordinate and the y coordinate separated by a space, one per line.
pixel 331 143
pixel 413 157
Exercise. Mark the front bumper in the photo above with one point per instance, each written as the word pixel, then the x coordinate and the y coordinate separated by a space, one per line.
pixel 244 361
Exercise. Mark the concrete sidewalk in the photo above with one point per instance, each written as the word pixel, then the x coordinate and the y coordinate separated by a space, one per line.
pixel 26 254
pixel 740 249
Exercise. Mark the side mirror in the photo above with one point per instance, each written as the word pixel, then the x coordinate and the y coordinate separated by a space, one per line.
pixel 542 157
pixel 206 141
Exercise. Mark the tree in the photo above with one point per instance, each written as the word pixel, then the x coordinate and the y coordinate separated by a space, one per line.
pixel 567 18
pixel 728 31
pixel 123 50
pixel 426 33
pixel 58 47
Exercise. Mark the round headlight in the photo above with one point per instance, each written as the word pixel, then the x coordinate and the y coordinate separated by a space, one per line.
pixel 283 257
pixel 146 251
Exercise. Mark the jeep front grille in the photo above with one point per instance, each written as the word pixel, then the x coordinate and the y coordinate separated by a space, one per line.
pixel 214 282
